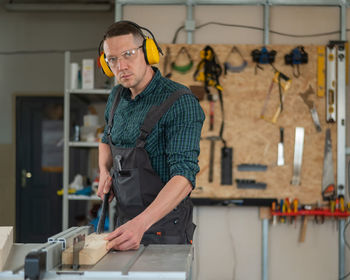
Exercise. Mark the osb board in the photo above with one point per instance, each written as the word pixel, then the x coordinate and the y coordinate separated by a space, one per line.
pixel 253 139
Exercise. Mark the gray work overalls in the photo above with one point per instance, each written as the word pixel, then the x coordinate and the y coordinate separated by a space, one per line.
pixel 136 184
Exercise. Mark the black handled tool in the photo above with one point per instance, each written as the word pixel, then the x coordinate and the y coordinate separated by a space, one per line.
pixel 101 222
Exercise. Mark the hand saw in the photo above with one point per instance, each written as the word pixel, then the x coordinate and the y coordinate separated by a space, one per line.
pixel 328 186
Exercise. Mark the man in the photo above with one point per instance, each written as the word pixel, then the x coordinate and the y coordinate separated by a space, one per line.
pixel 151 142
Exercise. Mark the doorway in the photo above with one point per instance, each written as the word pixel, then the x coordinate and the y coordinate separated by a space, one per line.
pixel 39 164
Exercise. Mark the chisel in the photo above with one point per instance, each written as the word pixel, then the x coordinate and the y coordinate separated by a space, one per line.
pixel 101 222
pixel 280 155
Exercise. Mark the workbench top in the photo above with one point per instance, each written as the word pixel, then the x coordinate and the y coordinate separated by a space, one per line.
pixel 148 262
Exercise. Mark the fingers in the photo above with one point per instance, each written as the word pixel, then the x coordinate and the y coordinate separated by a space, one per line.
pixel 123 243
pixel 122 240
pixel 107 184
pixel 104 185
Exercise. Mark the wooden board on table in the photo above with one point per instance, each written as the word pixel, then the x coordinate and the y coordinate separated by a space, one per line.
pixel 94 250
pixel 6 241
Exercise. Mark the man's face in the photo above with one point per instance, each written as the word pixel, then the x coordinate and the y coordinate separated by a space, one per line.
pixel 126 60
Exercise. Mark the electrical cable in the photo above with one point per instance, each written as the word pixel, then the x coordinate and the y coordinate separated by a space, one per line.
pixel 196 248
pixel 234 256
pixel 349 178
pixel 347 245
pixel 259 29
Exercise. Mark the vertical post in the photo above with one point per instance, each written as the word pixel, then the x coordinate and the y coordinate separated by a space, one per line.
pixel 118 11
pixel 266 22
pixel 66 141
pixel 265 243
pixel 341 130
pixel 190 23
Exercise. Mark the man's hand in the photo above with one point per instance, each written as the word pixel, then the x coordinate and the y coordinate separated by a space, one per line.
pixel 105 164
pixel 126 237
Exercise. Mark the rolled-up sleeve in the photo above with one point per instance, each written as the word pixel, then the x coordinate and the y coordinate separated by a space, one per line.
pixel 183 131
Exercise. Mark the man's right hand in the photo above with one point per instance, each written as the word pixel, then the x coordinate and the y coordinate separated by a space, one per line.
pixel 104 185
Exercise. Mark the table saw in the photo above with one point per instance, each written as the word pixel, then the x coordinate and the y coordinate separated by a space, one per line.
pixel 44 261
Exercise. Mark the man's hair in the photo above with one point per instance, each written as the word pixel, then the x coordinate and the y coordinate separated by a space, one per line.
pixel 124 28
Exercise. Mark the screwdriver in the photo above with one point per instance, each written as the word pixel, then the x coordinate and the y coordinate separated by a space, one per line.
pixel 274 217
pixel 295 209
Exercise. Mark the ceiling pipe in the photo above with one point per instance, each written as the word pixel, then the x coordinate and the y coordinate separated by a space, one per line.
pixel 58 7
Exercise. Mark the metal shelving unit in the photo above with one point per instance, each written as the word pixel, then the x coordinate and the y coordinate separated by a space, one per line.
pixel 85 94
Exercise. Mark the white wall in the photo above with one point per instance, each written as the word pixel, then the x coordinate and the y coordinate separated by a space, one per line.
pixel 228 240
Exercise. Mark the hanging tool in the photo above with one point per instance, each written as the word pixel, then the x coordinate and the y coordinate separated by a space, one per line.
pixel 274 209
pixel 250 184
pixel 236 69
pixel 251 167
pixel 284 83
pixel 262 56
pixel 226 165
pixel 212 140
pixel 280 148
pixel 183 69
pixel 296 57
pixel 208 71
pixel 298 155
pixel 321 71
pixel 328 185
pixel 311 105
pixel 331 88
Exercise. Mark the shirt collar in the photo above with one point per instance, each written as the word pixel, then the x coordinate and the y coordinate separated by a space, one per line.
pixel 149 89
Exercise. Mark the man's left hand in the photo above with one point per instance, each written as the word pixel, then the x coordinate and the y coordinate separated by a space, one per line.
pixel 126 237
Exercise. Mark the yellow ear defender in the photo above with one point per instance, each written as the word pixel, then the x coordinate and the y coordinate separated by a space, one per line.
pixel 150 49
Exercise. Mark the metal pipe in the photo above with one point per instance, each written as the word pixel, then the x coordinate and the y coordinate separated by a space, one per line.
pixel 66 142
pixel 54 7
pixel 189 11
pixel 341 249
pixel 118 11
pixel 266 23
pixel 341 134
pixel 264 249
pixel 343 22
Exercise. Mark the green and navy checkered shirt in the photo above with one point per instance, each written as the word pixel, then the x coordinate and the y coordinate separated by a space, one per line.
pixel 173 144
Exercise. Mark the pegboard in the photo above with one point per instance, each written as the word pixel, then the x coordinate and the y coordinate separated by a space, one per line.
pixel 255 140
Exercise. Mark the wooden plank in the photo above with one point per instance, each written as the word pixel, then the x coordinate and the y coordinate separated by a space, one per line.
pixel 93 251
pixel 6 241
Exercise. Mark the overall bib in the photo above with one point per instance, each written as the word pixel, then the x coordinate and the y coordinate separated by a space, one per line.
pixel 136 184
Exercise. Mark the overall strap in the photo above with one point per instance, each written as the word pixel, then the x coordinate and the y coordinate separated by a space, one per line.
pixel 155 114
pixel 111 113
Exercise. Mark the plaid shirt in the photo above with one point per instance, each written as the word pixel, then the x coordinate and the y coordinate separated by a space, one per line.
pixel 173 144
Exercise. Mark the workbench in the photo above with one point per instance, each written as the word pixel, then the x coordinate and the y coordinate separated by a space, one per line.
pixel 148 262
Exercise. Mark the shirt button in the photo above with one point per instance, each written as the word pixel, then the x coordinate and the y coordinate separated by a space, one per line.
pixel 176 221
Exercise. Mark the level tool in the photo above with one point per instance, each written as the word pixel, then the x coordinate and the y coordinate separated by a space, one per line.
pixel 298 155
pixel 331 85
pixel 321 70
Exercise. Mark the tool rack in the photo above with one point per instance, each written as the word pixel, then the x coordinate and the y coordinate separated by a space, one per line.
pixel 316 212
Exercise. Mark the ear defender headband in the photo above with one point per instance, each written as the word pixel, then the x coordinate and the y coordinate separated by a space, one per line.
pixel 150 49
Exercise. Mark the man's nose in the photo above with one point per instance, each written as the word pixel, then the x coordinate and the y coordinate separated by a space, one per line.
pixel 122 64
